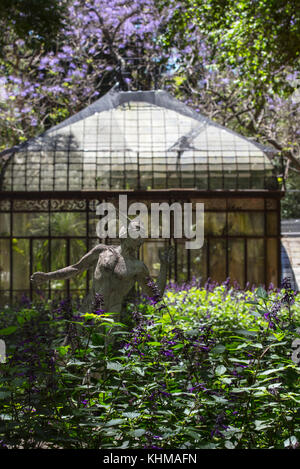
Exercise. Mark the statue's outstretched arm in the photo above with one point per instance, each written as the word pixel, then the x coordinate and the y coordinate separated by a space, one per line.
pixel 67 272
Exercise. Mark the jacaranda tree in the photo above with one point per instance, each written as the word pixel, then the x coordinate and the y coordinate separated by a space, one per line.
pixel 237 62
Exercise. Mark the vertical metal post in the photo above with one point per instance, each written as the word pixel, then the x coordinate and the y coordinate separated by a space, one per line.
pixel 246 261
pixel 87 241
pixel 68 263
pixel 208 257
pixel 49 245
pixel 279 276
pixel 138 171
pixel 226 241
pixel 11 254
pixel 265 244
pixel 30 265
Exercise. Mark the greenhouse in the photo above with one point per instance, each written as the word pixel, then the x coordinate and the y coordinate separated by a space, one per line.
pixel 153 148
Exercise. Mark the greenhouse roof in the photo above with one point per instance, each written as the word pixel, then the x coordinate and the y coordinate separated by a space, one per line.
pixel 138 140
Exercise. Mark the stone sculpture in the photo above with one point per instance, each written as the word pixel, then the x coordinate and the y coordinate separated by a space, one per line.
pixel 116 269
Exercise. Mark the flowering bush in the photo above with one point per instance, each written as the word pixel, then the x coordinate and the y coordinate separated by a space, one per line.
pixel 206 367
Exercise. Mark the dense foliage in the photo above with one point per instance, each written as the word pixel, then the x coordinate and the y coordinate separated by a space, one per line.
pixel 35 21
pixel 209 367
pixel 235 61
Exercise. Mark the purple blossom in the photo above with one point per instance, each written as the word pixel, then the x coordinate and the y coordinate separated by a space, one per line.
pixel 197 387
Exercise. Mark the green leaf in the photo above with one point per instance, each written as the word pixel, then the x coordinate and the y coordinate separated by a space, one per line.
pixel 178 347
pixel 227 380
pixel 218 349
pixel 229 445
pixel 193 434
pixel 261 293
pixel 246 332
pixel 207 446
pixel 273 370
pixel 291 441
pixel 116 366
pixel 113 422
pixel 220 370
pixel 124 445
pixel 139 432
pixel 138 370
pixel 5 417
pixel 262 424
pixel 131 415
pixel 75 363
pixel 220 400
pixel 8 330
pixel 97 338
pixel 63 350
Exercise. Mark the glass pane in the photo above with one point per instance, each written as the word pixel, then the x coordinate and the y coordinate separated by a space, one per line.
pixel 217 259
pixel 272 261
pixel 4 264
pixel 198 263
pixel 4 224
pixel 40 263
pixel 236 261
pixel 21 266
pixel 40 251
pixel 255 261
pixel 215 181
pixel 4 300
pixel 93 220
pixel 272 223
pixel 68 223
pixel 214 223
pixel 182 268
pixel 77 251
pixel 30 224
pixel 92 243
pixel 150 256
pixel 240 223
pixel 230 180
pixel 58 261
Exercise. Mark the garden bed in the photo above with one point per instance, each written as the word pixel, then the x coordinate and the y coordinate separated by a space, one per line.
pixel 209 367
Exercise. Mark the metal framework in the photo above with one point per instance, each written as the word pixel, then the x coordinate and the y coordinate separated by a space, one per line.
pixel 150 147
pixel 242 237
pixel 138 140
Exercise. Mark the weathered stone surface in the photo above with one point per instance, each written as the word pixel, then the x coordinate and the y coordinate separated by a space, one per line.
pixel 116 269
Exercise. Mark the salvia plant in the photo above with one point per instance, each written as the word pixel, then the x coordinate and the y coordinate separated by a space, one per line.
pixel 206 367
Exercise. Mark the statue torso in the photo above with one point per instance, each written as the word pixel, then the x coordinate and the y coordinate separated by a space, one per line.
pixel 114 276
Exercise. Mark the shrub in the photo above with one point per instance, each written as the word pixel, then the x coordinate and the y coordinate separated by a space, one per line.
pixel 205 368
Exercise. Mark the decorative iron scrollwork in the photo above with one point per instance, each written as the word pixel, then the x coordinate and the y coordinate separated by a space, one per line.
pixel 68 205
pixel 5 205
pixel 93 204
pixel 20 205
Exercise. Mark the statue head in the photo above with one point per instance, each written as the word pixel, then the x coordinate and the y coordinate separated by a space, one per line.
pixel 135 235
